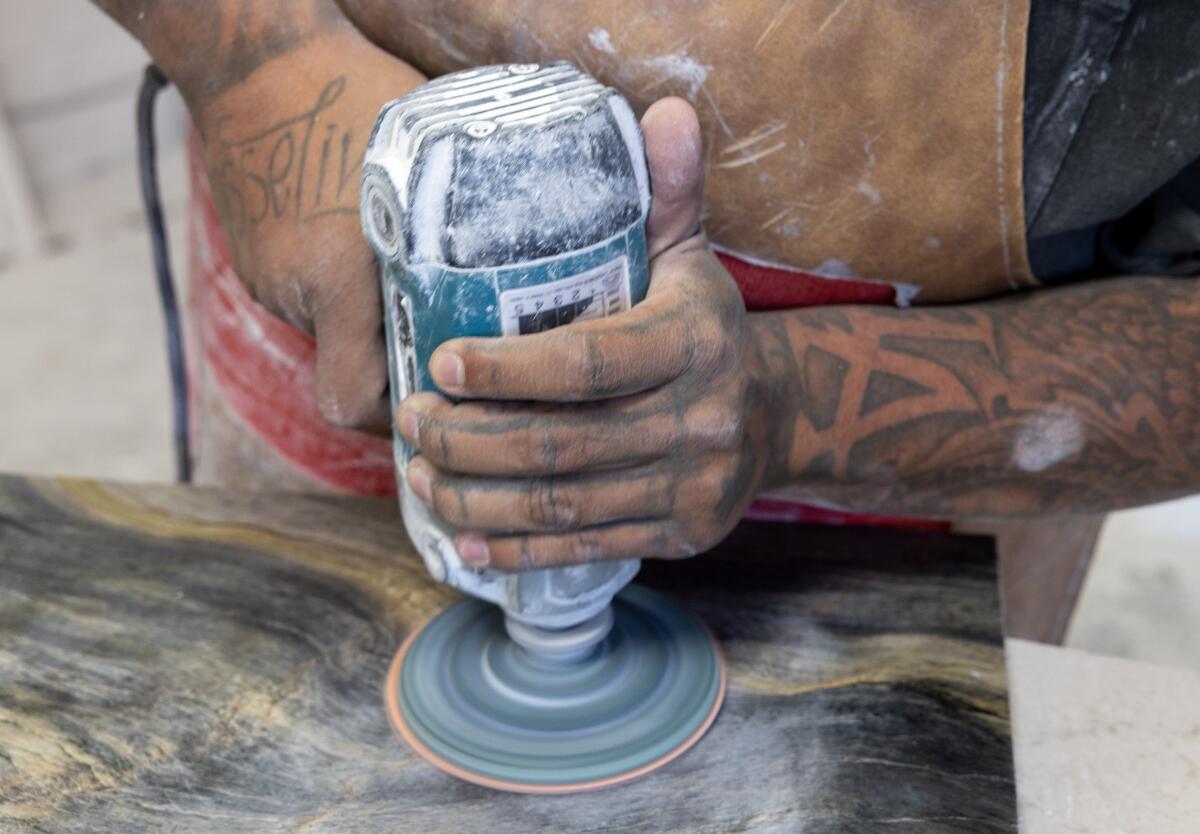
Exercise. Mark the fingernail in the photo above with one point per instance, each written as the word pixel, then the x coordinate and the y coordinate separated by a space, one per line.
pixel 473 549
pixel 418 479
pixel 409 426
pixel 449 372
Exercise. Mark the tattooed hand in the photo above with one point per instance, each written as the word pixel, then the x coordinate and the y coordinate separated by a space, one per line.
pixel 284 152
pixel 637 435
pixel 284 93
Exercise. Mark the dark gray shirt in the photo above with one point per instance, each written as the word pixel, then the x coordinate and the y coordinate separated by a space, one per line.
pixel 1112 138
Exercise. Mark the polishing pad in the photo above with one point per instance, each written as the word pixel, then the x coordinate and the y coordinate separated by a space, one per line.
pixel 478 705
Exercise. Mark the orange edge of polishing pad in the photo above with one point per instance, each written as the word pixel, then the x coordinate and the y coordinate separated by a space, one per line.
pixel 396 718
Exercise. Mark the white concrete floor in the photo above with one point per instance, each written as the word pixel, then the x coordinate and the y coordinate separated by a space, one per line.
pixel 84 391
pixel 84 388
pixel 1142 597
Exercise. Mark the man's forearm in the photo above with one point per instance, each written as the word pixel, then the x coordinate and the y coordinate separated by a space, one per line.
pixel 207 48
pixel 1085 398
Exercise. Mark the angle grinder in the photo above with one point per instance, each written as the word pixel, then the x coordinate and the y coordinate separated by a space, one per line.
pixel 503 201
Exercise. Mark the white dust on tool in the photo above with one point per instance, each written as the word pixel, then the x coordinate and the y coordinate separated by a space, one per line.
pixel 539 183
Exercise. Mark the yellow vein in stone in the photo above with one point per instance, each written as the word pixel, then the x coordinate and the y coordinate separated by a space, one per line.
pixel 410 600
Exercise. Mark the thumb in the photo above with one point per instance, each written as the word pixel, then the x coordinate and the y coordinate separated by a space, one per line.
pixel 674 151
pixel 351 361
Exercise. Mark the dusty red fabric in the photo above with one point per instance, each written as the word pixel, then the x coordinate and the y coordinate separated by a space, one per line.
pixel 774 288
pixel 775 509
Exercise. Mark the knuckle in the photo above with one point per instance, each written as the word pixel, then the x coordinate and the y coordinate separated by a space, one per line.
pixel 670 543
pixel 431 436
pixel 549 508
pixel 332 411
pixel 732 427
pixel 718 426
pixel 712 346
pixel 661 494
pixel 726 303
pixel 739 430
pixel 587 371
pixel 712 485
pixel 442 493
pixel 584 549
pixel 545 448
pixel 537 449
pixel 526 558
pixel 570 447
pixel 347 412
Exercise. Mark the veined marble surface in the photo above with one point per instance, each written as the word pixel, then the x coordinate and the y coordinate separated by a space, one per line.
pixel 160 669
pixel 196 661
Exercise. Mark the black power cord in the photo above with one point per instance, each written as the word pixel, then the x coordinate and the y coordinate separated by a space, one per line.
pixel 153 82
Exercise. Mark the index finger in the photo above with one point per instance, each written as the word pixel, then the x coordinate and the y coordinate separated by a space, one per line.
pixel 627 353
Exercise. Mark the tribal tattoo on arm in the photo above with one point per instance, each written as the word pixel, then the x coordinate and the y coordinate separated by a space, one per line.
pixel 1079 399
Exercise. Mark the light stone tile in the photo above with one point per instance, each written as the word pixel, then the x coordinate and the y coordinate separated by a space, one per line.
pixel 1142 596
pixel 1103 746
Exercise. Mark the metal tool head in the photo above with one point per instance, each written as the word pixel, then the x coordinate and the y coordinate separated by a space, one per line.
pixel 502 165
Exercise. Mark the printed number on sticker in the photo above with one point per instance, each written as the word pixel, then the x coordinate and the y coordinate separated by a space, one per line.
pixel 594 294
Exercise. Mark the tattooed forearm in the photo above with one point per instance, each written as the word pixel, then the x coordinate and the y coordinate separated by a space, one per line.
pixel 1080 399
pixel 207 48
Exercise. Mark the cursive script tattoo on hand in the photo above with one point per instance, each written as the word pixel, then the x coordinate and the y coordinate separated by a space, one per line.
pixel 300 168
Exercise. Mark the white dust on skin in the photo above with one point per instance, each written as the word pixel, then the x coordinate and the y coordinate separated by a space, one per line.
pixel 601 41
pixel 1047 440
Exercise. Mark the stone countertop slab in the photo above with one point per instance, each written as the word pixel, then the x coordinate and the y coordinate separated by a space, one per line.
pixel 176 659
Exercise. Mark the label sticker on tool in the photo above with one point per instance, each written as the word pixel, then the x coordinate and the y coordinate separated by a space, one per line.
pixel 403 343
pixel 594 294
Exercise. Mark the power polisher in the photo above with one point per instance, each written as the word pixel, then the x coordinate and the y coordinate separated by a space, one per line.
pixel 503 201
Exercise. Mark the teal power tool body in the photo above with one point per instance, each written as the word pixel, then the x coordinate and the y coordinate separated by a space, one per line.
pixel 504 201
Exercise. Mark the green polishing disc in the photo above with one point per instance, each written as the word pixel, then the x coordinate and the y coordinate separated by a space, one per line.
pixel 480 707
